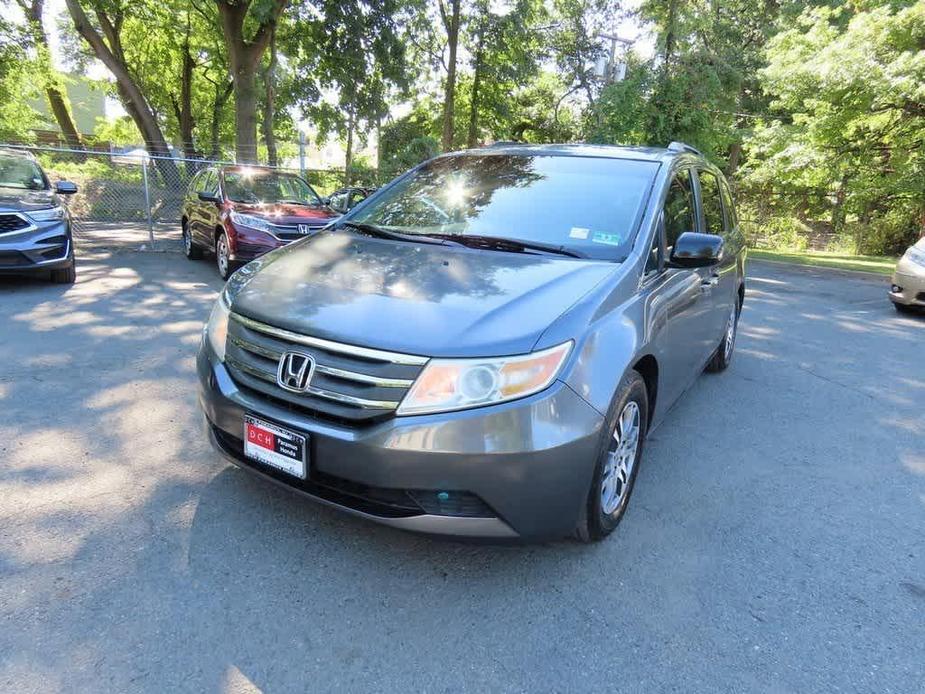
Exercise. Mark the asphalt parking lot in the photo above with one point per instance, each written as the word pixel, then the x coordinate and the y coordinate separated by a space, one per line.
pixel 775 541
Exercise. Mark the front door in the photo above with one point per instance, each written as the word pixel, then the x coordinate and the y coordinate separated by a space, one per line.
pixel 680 303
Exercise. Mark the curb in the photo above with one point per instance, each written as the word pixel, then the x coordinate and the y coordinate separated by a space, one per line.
pixel 800 267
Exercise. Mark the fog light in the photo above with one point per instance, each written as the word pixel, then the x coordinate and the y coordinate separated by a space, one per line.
pixel 896 289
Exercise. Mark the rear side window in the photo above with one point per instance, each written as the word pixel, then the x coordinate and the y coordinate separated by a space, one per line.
pixel 679 209
pixel 209 183
pixel 731 219
pixel 712 204
pixel 195 184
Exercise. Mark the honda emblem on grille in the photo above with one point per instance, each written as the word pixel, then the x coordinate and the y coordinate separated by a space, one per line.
pixel 295 372
pixel 303 228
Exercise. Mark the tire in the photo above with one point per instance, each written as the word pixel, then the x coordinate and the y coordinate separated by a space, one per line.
pixel 615 472
pixel 222 261
pixel 903 308
pixel 190 249
pixel 66 275
pixel 722 357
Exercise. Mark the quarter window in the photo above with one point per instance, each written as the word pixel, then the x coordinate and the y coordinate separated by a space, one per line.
pixel 712 204
pixel 679 209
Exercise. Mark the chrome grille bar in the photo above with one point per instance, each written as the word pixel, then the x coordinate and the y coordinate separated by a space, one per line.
pixel 328 345
pixel 311 390
pixel 275 355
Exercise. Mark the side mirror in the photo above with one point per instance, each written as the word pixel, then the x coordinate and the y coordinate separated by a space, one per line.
pixel 696 250
pixel 326 200
pixel 65 188
pixel 207 197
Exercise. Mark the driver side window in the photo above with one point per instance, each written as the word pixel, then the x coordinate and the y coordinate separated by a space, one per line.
pixel 679 209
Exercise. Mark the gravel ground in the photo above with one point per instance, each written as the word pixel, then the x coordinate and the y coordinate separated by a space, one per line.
pixel 775 541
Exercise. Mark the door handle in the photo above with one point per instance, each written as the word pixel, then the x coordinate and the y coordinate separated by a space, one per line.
pixel 710 281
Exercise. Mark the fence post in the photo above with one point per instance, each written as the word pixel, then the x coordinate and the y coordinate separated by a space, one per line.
pixel 144 178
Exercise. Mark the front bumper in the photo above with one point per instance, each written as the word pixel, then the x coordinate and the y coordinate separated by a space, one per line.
pixel 530 461
pixel 908 286
pixel 40 246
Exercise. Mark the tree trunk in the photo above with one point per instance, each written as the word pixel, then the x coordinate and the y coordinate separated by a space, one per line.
pixel 269 136
pixel 110 54
pixel 54 91
pixel 348 157
pixel 222 94
pixel 735 154
pixel 451 23
pixel 185 107
pixel 245 110
pixel 244 58
pixel 473 138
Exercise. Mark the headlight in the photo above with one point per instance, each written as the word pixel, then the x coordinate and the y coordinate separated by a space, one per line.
pixel 916 256
pixel 49 214
pixel 249 220
pixel 457 384
pixel 217 327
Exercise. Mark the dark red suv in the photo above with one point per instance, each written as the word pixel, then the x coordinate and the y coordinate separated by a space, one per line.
pixel 241 212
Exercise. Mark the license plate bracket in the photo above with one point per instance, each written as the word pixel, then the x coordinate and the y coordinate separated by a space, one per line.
pixel 276 446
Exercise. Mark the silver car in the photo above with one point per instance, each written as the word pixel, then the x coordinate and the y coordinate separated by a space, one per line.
pixel 907 291
pixel 480 347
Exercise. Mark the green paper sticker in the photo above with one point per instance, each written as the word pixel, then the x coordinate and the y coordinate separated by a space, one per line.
pixel 609 239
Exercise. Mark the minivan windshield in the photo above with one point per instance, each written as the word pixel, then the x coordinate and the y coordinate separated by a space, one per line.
pixel 21 172
pixel 588 205
pixel 254 186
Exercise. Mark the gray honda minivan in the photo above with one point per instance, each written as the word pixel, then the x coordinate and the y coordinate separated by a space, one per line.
pixel 480 347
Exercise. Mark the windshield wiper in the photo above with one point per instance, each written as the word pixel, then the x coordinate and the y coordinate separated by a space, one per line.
pixel 293 202
pixel 502 243
pixel 382 233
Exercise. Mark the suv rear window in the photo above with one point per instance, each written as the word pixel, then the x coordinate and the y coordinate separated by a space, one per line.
pixel 588 205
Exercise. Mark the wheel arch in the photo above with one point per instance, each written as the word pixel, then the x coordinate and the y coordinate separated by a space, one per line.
pixel 647 367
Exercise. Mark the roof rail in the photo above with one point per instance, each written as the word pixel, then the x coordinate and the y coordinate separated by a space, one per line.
pixel 683 147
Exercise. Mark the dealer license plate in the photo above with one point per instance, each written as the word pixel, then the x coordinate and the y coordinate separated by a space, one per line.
pixel 275 446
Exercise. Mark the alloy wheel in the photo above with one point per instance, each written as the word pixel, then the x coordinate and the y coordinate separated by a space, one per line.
pixel 221 255
pixel 621 459
pixel 729 339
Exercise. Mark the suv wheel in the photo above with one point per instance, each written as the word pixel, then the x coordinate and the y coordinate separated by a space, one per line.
pixel 223 256
pixel 66 275
pixel 723 354
pixel 618 461
pixel 190 249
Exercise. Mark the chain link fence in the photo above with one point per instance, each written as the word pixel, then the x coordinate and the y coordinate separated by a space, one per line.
pixel 133 200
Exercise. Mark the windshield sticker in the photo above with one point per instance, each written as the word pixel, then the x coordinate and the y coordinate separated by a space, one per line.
pixel 579 233
pixel 609 239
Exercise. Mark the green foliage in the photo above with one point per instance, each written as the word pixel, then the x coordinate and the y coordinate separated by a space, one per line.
pixel 17 86
pixel 848 88
pixel 406 142
pixel 119 131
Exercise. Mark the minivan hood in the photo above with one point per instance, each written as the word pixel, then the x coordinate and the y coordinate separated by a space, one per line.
pixel 431 300
pixel 26 200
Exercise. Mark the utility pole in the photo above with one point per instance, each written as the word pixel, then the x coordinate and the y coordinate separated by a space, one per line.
pixel 607 67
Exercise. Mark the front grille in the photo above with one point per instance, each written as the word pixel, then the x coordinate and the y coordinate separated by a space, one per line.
pixel 13 259
pixel 350 383
pixel 377 501
pixel 12 222
pixel 290 232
